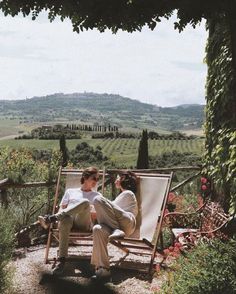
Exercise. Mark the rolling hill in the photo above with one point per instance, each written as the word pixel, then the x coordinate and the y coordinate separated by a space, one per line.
pixel 126 113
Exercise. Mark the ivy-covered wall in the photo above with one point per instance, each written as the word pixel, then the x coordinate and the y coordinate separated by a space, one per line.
pixel 220 157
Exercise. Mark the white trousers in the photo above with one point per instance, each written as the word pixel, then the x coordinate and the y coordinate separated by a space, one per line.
pixel 109 217
pixel 75 215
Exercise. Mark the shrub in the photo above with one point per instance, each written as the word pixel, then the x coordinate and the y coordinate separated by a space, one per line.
pixel 208 269
pixel 6 247
pixel 85 155
pixel 174 158
pixel 167 237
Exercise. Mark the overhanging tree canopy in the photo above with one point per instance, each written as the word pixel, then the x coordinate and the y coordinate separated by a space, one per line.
pixel 128 15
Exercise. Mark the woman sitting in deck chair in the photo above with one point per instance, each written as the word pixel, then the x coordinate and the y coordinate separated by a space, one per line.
pixel 115 219
pixel 76 210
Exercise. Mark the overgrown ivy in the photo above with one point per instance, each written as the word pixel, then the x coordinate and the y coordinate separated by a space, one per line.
pixel 220 157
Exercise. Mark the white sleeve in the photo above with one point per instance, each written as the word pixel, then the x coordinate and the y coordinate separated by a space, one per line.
pixel 65 199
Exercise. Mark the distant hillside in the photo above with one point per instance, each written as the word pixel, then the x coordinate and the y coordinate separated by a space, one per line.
pixel 103 108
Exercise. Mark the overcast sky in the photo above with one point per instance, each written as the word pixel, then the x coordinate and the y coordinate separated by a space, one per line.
pixel 162 67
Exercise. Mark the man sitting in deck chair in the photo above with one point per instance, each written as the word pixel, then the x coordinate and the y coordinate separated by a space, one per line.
pixel 76 210
pixel 115 219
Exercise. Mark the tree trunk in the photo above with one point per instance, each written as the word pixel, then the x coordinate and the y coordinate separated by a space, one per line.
pixel 4 200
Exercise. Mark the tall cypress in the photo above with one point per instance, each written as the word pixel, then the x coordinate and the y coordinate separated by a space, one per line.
pixel 63 150
pixel 142 162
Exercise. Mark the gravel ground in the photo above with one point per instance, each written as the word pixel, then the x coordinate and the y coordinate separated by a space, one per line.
pixel 32 276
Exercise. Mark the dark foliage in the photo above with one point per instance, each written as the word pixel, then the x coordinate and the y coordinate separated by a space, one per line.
pixel 64 150
pixel 142 161
pixel 174 159
pixel 6 248
pixel 85 155
pixel 209 269
pixel 125 15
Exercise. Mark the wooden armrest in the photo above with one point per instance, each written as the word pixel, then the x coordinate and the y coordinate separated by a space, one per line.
pixel 186 213
pixel 212 231
pixel 179 214
pixel 182 220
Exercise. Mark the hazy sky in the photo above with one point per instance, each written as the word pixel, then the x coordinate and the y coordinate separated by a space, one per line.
pixel 162 67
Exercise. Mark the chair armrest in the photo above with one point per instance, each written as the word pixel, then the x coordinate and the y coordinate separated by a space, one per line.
pixel 215 230
pixel 182 220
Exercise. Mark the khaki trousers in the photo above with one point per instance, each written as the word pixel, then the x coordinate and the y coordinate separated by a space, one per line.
pixel 109 217
pixel 77 216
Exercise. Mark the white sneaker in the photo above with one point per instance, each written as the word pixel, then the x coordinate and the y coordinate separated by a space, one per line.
pixel 59 270
pixel 44 222
pixel 103 272
pixel 117 233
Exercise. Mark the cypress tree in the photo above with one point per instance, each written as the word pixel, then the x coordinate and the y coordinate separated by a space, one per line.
pixel 63 150
pixel 142 162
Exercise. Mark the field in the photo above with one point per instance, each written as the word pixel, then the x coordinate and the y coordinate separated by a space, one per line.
pixel 195 132
pixel 10 127
pixel 118 150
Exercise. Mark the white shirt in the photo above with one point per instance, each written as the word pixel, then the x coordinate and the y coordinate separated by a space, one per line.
pixel 75 195
pixel 127 201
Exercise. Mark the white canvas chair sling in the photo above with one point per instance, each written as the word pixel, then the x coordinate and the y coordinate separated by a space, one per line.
pixel 153 190
pixel 72 180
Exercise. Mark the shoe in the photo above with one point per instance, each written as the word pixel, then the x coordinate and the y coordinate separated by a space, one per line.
pixel 102 275
pixel 46 220
pixel 59 270
pixel 117 233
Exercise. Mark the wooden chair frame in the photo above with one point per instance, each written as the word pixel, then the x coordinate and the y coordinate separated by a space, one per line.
pixel 210 212
pixel 54 232
pixel 144 246
pixel 128 245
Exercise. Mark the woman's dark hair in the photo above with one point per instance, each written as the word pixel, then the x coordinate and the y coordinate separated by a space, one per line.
pixel 128 181
pixel 88 172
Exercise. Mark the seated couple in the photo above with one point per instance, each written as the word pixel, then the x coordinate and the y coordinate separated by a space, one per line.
pixel 88 210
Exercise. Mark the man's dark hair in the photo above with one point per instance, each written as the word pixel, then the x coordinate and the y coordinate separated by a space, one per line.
pixel 88 172
pixel 128 181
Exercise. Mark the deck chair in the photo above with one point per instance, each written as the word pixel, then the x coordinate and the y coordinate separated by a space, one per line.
pixel 152 196
pixel 69 178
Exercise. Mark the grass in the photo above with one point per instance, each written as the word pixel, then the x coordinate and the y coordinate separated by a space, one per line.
pixel 196 132
pixel 13 127
pixel 10 127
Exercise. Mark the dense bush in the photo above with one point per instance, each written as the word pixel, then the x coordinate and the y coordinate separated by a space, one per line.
pixel 174 158
pixel 20 166
pixel 115 135
pixel 128 135
pixel 6 247
pixel 103 135
pixel 42 155
pixel 208 269
pixel 24 165
pixel 174 135
pixel 84 155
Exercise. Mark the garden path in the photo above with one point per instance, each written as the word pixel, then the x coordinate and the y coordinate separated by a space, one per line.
pixel 32 276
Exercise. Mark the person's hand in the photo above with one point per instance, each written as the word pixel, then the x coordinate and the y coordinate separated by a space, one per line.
pixel 64 206
pixel 93 213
